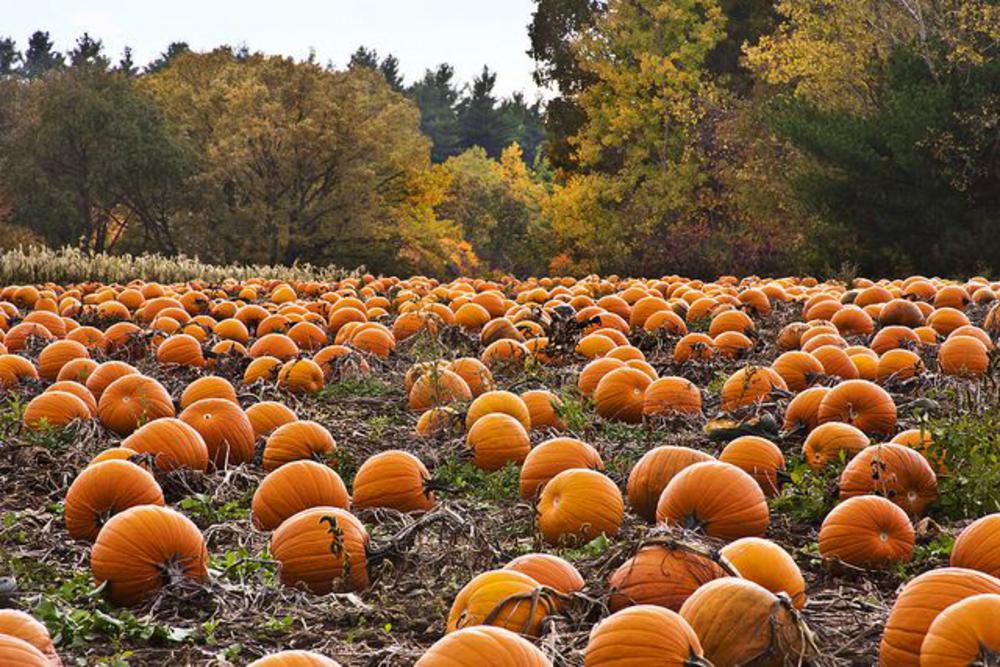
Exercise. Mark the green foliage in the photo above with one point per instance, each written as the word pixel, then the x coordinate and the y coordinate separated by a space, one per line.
pixel 206 510
pixel 468 480
pixel 810 495
pixel 970 446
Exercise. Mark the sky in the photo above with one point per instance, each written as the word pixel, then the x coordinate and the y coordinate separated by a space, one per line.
pixel 421 33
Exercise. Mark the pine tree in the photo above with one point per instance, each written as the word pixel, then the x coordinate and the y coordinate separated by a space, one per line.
pixel 40 57
pixel 437 98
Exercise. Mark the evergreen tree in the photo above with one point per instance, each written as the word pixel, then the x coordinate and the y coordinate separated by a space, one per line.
pixel 174 49
pixel 88 51
pixel 126 65
pixel 390 70
pixel 437 98
pixel 480 121
pixel 363 57
pixel 9 56
pixel 40 57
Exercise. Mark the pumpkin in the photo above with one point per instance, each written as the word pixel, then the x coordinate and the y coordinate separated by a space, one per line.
pixel 55 410
pixel 106 373
pixel 182 350
pixel 211 386
pixel 750 385
pixel 671 396
pixel 497 439
pixel 798 369
pixel 898 365
pixel 56 355
pixel 892 471
pixel 503 598
pixel 18 653
pixel 653 472
pixel 802 412
pixel 717 498
pixel 498 402
pixel 173 443
pixel 660 574
pixel 437 388
pixel 469 647
pixel 101 491
pixel 549 570
pixel 549 458
pixel 275 345
pixel 963 356
pixel 579 505
pixel 475 373
pixel 115 454
pixel 225 429
pixel 439 421
pixel 131 401
pixel 322 549
pixel 543 409
pixel 966 633
pixel 268 415
pixel 297 440
pixel 394 479
pixel 978 546
pixel 77 370
pixel 732 344
pixel 919 604
pixel 144 547
pixel 758 457
pixel 836 362
pixel 593 372
pixel 828 442
pixel 767 564
pixel 644 635
pixel 294 487
pixel 78 390
pixel 294 659
pixel 867 531
pixel 15 623
pixel 301 376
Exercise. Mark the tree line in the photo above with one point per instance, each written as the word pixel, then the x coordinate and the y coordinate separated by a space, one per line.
pixel 689 136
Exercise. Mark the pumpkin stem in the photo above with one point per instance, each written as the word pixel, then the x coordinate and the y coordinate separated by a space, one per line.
pixel 431 485
pixel 402 541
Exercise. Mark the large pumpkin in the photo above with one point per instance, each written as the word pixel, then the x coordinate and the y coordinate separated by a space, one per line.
pixel 225 429
pixel 131 401
pixel 18 653
pixel 579 504
pixel 497 439
pixel 294 659
pixel 867 531
pixel 862 404
pixel 764 562
pixel 742 623
pixel 550 458
pixel 661 574
pixel 296 440
pixel 54 410
pixel 828 442
pixel 620 394
pixel 978 546
pixel 653 472
pixel 102 490
pixel 966 633
pixel 14 623
pixel 717 498
pixel 294 487
pixel 394 479
pixel 140 549
pixel 758 457
pixel 268 415
pixel 504 598
pixel 322 549
pixel 750 385
pixel 892 471
pixel 644 635
pixel 498 402
pixel 919 603
pixel 173 444
pixel 548 570
pixel 671 396
pixel 483 645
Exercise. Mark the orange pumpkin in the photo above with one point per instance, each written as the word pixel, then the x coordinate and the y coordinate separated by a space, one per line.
pixel 498 402
pixel 662 575
pixel 394 479
pixel 867 531
pixel 579 504
pixel 497 439
pixel 767 564
pixel 297 440
pixel 14 623
pixel 294 659
pixel 103 489
pixel 671 396
pixel 504 598
pixel 469 646
pixel 964 634
pixel 653 472
pixel 750 385
pixel 211 386
pixel 643 635
pixel 892 471
pixel 717 498
pixel 322 549
pixel 758 457
pixel 294 487
pixel 225 429
pixel 268 415
pixel 173 444
pixel 978 546
pixel 548 570
pixel 549 458
pixel 55 410
pixel 131 401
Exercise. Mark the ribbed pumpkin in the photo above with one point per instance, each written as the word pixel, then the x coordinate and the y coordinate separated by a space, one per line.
pixel 593 372
pixel 182 350
pixel 758 457
pixel 115 454
pixel 836 362
pixel 297 440
pixel 750 385
pixel 78 390
pixel 394 479
pixel 140 549
pixel 671 395
pixel 173 443
pixel 548 570
pixel 225 429
pixel 294 659
pixel 498 402
pixel 210 386
pixel 131 401
pixel 897 365
pixel 471 647
pixel 694 346
pixel 56 355
pixel 301 376
pixel 767 564
pixel 802 412
pixel 102 490
pixel 322 549
pixel 549 458
pixel 644 635
pixel 294 487
pixel 892 471
pixel 437 388
pixel 496 440
pixel 919 603
pixel 798 369
pixel 543 408
pixel 274 345
pixel 963 356
pixel 503 598
pixel 268 415
pixel 861 404
pixel 828 442
pixel 660 574
pixel 579 505
pixel 15 623
pixel 717 498
pixel 54 410
pixel 439 421
pixel 77 370
pixel 653 472
pixel 475 373
pixel 742 623
pixel 978 546
pixel 966 633
pixel 18 653
pixel 867 531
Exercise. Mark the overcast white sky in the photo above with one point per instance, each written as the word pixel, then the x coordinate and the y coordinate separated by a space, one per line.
pixel 421 33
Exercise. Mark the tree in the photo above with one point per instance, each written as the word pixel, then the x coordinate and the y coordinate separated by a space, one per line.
pixel 526 123
pixel 174 49
pixel 363 57
pixel 437 98
pixel 126 65
pixel 390 72
pixel 40 57
pixel 479 121
pixel 9 56
pixel 88 52
pixel 296 162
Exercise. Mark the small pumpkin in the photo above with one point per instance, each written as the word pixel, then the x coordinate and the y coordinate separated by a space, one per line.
pixel 504 598
pixel 548 570
pixel 296 440
pixel 862 404
pixel 671 395
pixel 294 659
pixel 750 385
pixel 54 410
pixel 173 443
pixel 543 408
pixel 549 458
pixel 758 457
pixel 828 442
pixel 210 386
pixel 497 439
pixel 498 402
